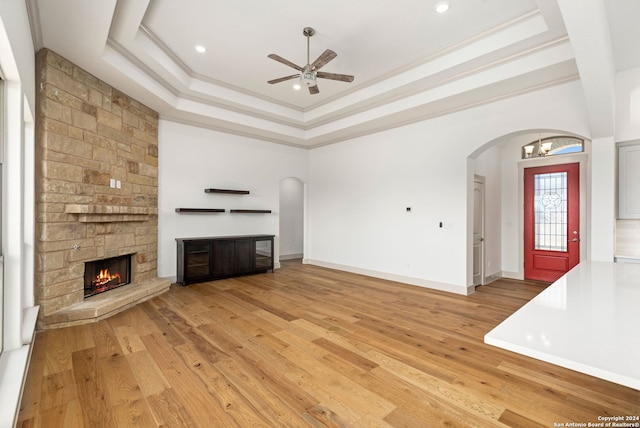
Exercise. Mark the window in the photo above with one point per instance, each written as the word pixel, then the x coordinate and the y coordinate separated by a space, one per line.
pixel 552 146
pixel 1 223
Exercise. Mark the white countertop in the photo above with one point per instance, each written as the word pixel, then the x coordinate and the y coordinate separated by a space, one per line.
pixel 588 321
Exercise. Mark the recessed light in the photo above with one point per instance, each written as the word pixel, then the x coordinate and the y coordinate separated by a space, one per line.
pixel 296 86
pixel 200 49
pixel 442 7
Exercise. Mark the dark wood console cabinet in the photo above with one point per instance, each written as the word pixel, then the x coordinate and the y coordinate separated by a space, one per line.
pixel 206 259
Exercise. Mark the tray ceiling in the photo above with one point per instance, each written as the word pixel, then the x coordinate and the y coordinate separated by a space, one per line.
pixel 409 62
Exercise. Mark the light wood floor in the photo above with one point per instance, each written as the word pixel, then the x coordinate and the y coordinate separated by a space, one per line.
pixel 307 346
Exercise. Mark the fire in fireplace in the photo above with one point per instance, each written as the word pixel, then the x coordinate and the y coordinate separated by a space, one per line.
pixel 106 274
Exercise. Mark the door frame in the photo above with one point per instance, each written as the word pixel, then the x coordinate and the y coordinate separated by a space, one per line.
pixel 480 179
pixel 544 263
pixel 581 159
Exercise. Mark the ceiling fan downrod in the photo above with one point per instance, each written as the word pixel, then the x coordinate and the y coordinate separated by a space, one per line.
pixel 308 32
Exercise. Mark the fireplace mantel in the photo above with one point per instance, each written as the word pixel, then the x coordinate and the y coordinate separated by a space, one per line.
pixel 109 213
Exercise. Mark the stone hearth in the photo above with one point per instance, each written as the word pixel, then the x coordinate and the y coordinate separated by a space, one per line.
pixel 89 136
pixel 103 305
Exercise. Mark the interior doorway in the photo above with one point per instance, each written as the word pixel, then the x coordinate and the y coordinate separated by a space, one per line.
pixel 478 230
pixel 551 221
pixel 291 236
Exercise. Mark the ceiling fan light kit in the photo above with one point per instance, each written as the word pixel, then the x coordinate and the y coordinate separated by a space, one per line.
pixel 308 78
pixel 309 74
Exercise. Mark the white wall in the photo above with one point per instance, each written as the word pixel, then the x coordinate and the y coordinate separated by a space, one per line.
pixel 359 189
pixel 192 159
pixel 627 129
pixel 510 236
pixel 488 165
pixel 17 56
pixel 291 218
pixel 359 192
pixel 603 197
pixel 628 105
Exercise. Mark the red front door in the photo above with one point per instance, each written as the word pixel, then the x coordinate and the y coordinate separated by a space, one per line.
pixel 551 221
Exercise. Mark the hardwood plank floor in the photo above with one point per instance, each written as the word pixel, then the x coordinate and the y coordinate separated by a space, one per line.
pixel 307 346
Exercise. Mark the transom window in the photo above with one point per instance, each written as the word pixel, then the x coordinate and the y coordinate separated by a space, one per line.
pixel 551 146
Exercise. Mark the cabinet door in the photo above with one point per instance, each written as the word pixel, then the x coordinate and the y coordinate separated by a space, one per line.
pixel 264 254
pixel 197 261
pixel 629 181
pixel 244 256
pixel 222 254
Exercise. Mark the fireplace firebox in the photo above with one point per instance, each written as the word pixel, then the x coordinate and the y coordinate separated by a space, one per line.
pixel 106 274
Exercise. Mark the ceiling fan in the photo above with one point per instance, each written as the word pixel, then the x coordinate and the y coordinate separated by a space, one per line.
pixel 309 73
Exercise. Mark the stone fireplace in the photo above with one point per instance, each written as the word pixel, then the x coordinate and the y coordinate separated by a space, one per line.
pixel 96 193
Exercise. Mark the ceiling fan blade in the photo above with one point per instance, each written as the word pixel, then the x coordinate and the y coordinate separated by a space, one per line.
pixel 314 90
pixel 334 76
pixel 284 61
pixel 282 79
pixel 326 56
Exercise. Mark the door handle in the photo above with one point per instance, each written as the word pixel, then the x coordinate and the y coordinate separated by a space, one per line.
pixel 481 239
pixel 575 240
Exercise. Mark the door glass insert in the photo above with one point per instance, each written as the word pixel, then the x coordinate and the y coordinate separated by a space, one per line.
pixel 197 260
pixel 550 210
pixel 263 254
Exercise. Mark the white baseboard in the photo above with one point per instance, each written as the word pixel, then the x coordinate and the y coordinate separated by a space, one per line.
pixel 291 256
pixel 513 275
pixel 451 288
pixel 493 277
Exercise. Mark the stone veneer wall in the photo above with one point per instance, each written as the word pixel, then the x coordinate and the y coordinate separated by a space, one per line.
pixel 86 134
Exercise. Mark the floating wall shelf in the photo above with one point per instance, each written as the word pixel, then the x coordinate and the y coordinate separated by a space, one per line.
pixel 200 210
pixel 219 210
pixel 250 211
pixel 227 191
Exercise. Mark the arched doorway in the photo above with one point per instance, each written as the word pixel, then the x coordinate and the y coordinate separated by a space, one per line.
pixel 291 239
pixel 502 162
